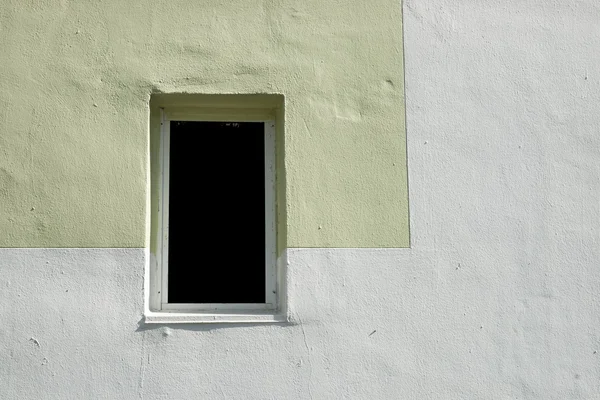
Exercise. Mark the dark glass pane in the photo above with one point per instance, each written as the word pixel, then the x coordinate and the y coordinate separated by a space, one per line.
pixel 216 213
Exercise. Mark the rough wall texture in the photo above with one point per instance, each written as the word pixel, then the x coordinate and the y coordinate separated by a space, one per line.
pixel 76 79
pixel 496 299
pixel 452 323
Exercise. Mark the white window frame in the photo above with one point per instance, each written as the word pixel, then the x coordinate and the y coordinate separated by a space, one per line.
pixel 163 311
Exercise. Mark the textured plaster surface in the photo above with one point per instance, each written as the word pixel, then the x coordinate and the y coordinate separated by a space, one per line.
pixel 496 299
pixel 431 322
pixel 76 80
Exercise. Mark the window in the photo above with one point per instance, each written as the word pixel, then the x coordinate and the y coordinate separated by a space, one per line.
pixel 216 237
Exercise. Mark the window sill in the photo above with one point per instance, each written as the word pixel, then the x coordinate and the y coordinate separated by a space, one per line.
pixel 202 318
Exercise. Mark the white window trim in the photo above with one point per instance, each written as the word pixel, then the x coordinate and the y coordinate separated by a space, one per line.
pixel 160 311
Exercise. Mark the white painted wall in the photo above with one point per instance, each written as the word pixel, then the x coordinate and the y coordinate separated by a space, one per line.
pixel 498 298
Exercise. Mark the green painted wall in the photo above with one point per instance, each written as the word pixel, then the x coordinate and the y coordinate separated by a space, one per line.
pixel 76 80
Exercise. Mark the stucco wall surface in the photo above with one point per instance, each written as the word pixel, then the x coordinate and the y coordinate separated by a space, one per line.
pixel 76 79
pixel 497 298
pixel 453 323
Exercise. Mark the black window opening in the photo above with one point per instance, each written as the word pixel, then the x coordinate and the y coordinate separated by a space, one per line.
pixel 217 212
